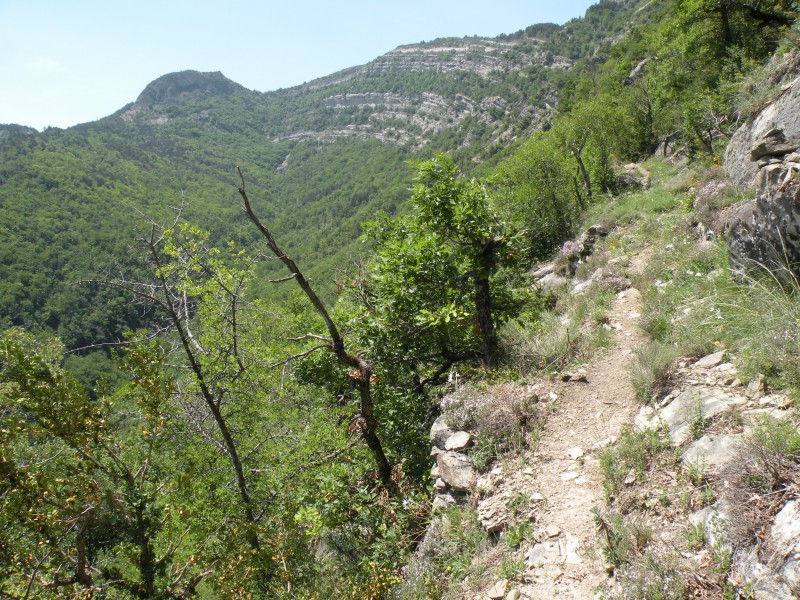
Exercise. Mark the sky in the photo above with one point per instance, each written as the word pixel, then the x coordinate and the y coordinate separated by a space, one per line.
pixel 64 62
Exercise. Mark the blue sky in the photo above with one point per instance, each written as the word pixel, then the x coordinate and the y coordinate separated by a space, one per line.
pixel 64 62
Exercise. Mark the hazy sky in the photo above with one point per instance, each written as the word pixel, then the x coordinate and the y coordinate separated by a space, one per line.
pixel 64 62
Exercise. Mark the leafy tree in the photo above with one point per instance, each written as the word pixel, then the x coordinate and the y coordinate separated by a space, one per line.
pixel 251 438
pixel 536 192
pixel 88 486
pixel 433 282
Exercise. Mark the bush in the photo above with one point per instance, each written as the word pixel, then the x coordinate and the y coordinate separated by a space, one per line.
pixel 633 453
pixel 653 576
pixel 651 369
pixel 444 556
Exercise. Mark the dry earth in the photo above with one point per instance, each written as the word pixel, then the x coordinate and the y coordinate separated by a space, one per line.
pixel 563 480
pixel 587 416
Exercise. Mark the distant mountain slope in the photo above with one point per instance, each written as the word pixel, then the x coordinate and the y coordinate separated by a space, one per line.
pixel 320 158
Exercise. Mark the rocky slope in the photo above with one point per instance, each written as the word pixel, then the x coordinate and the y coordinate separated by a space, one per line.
pixel 403 97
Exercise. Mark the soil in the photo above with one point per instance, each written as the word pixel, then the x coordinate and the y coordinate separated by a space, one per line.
pixel 564 559
pixel 587 416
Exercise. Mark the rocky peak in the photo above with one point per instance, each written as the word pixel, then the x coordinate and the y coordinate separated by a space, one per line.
pixel 9 129
pixel 184 85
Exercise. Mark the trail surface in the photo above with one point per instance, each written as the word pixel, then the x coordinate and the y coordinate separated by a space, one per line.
pixel 588 415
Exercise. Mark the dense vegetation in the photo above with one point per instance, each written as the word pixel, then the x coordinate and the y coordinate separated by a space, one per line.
pixel 245 439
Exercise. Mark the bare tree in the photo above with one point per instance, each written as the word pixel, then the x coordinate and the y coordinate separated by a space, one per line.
pixel 361 371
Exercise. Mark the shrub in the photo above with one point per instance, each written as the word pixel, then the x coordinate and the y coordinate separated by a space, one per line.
pixel 653 576
pixel 621 539
pixel 651 369
pixel 633 453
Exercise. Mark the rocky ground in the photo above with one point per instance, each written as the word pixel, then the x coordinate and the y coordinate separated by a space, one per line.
pixel 546 497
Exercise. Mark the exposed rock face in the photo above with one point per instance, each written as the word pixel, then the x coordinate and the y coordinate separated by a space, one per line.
pixel 635 176
pixel 9 129
pixel 780 578
pixel 179 85
pixel 764 234
pixel 761 153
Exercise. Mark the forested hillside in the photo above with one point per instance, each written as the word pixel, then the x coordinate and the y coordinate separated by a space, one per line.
pixel 228 316
pixel 323 156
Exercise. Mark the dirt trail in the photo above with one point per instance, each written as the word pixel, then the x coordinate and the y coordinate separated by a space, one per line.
pixel 567 562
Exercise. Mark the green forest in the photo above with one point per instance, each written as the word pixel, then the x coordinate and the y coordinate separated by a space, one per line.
pixel 222 342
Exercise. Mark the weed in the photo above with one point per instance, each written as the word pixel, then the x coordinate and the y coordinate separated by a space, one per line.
pixel 765 329
pixel 651 369
pixel 514 535
pixel 697 422
pixel 519 502
pixel 653 576
pixel 775 447
pixel 694 472
pixel 620 540
pixel 634 207
pixel 511 569
pixel 556 338
pixel 696 537
pixel 633 452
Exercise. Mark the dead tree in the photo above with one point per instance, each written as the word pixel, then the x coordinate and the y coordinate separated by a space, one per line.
pixel 360 371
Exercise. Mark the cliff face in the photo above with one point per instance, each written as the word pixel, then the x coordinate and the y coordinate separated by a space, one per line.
pixel 483 89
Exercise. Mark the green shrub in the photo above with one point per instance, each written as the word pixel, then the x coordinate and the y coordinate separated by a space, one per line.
pixel 653 576
pixel 633 453
pixel 621 539
pixel 444 556
pixel 651 369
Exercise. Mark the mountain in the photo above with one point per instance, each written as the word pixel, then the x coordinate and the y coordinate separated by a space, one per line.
pixel 319 159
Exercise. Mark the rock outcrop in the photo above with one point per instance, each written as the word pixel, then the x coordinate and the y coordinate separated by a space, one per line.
pixel 764 236
pixel 762 152
pixel 692 415
pixel 185 84
pixel 777 576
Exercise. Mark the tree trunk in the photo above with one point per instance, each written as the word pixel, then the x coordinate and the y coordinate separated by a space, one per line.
pixel 587 183
pixel 483 305
pixel 361 370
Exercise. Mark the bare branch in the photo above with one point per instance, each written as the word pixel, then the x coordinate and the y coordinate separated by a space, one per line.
pixel 294 357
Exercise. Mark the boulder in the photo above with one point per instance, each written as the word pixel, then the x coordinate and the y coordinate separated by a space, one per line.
pixel 458 441
pixel 440 433
pixel 712 451
pixel 498 590
pixel 634 176
pixel 764 235
pixel 552 283
pixel 774 133
pixel 711 360
pixel 456 470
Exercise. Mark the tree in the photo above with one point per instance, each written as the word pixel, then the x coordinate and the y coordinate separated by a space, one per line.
pixel 586 134
pixel 88 486
pixel 360 370
pixel 433 281
pixel 251 438
pixel 751 26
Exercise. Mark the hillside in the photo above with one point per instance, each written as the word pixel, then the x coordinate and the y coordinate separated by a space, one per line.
pixel 321 158
pixel 508 318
